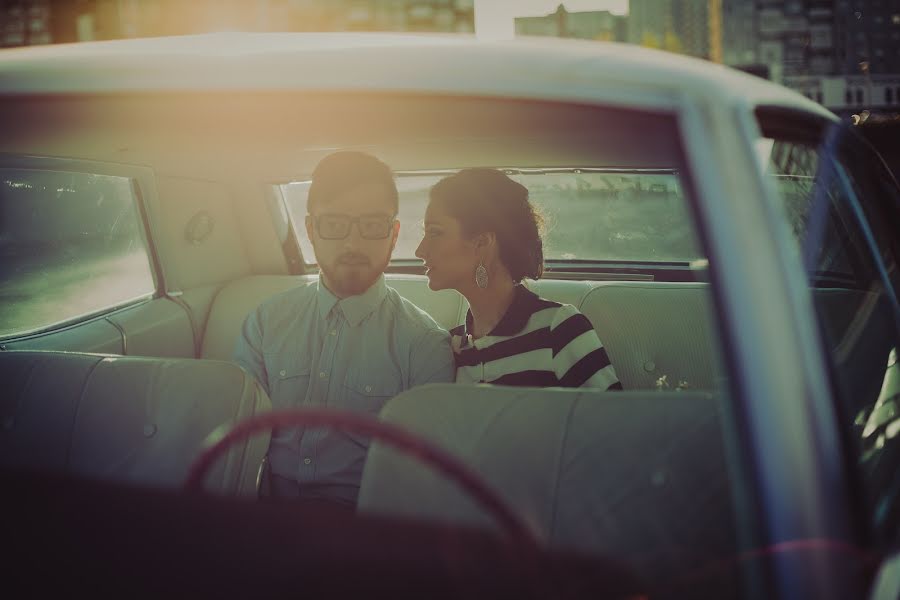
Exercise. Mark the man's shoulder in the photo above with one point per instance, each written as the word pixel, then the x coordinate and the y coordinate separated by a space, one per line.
pixel 288 300
pixel 409 315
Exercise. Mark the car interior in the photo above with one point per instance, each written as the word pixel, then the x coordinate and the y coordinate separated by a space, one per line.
pixel 116 401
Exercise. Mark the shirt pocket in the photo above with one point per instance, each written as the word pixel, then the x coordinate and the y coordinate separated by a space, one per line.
pixel 368 396
pixel 288 384
pixel 288 387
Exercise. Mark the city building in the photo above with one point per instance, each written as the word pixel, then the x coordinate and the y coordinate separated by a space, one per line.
pixel 867 37
pixel 27 22
pixel 739 37
pixel 850 94
pixel 675 25
pixel 587 25
pixel 844 54
pixel 24 23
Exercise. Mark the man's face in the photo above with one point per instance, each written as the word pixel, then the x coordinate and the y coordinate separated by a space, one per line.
pixel 350 264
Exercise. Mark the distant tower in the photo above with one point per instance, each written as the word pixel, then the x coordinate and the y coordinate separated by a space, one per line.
pixel 715 30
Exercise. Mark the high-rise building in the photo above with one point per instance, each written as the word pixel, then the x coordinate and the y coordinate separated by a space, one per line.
pixel 783 32
pixel 739 36
pixel 24 22
pixel 691 23
pixel 828 37
pixel 866 36
pixel 676 25
pixel 844 54
pixel 820 37
pixel 44 21
pixel 649 21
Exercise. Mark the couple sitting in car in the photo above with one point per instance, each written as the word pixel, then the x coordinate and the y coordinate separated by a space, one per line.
pixel 349 341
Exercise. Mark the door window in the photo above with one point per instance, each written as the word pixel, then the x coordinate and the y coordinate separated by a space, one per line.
pixel 839 210
pixel 72 244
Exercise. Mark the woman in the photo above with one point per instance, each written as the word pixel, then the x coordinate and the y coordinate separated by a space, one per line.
pixel 482 239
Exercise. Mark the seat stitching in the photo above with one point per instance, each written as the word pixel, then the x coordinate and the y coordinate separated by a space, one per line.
pixel 554 509
pixel 245 383
pixel 23 392
pixel 81 395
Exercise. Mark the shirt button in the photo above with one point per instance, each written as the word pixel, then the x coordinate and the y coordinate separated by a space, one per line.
pixel 282 372
pixel 306 461
pixel 333 332
pixel 368 388
pixel 321 374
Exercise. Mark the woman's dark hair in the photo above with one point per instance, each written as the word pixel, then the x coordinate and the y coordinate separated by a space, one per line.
pixel 344 170
pixel 487 200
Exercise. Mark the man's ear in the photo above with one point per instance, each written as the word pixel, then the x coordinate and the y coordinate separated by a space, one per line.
pixel 395 234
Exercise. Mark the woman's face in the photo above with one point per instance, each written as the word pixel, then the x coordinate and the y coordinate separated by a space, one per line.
pixel 450 258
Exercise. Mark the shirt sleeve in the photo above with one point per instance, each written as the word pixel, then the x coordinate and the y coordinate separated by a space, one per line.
pixel 431 360
pixel 579 359
pixel 248 349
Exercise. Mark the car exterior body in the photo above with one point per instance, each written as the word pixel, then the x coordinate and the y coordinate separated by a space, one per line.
pixel 235 117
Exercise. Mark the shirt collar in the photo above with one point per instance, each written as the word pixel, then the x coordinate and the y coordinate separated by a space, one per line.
pixel 516 316
pixel 355 308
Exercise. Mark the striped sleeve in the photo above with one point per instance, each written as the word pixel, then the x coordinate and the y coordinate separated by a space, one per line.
pixel 579 359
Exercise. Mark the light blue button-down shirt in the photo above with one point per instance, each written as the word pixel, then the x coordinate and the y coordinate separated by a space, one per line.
pixel 308 348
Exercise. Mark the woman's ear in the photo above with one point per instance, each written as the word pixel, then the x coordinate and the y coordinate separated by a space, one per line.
pixel 485 241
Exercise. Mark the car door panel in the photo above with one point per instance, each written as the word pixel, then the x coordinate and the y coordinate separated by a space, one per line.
pixel 96 335
pixel 157 328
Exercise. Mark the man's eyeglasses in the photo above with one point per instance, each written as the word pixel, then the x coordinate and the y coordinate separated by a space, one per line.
pixel 337 227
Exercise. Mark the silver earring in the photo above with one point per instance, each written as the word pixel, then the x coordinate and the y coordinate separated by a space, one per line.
pixel 481 275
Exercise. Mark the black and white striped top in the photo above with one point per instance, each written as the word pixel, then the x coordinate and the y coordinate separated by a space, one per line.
pixel 537 343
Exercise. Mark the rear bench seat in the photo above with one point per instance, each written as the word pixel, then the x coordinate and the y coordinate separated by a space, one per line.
pixel 126 419
pixel 650 329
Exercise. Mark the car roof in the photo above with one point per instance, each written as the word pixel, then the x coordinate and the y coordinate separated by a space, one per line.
pixel 531 68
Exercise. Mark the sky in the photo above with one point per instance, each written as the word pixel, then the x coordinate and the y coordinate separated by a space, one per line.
pixel 494 19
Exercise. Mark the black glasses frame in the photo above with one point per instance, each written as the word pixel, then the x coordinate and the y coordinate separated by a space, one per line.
pixel 389 220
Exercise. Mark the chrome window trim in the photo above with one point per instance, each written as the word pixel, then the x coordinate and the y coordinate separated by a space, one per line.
pixel 78 320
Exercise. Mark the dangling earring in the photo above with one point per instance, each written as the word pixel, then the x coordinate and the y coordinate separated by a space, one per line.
pixel 481 275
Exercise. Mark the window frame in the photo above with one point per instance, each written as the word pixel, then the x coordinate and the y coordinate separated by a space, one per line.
pixel 790 451
pixel 142 184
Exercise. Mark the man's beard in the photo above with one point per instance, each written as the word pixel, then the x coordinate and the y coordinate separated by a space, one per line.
pixel 352 274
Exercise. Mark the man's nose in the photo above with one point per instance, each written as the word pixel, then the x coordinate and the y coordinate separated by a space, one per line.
pixel 353 236
pixel 419 252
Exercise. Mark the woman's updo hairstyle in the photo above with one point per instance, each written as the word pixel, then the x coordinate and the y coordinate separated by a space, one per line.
pixel 486 200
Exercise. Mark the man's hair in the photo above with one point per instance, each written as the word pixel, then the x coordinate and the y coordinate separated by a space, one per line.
pixel 345 170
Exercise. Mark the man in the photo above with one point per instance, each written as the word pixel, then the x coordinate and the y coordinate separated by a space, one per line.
pixel 346 341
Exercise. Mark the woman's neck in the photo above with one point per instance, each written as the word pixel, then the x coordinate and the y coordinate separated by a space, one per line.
pixel 488 305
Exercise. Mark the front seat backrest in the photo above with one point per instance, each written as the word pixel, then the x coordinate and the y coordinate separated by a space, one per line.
pixel 128 419
pixel 637 476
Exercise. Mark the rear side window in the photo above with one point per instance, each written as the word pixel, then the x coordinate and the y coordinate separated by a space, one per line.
pixel 72 244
